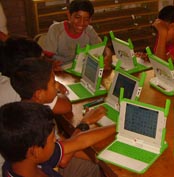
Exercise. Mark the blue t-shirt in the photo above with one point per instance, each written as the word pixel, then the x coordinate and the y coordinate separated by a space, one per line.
pixel 46 167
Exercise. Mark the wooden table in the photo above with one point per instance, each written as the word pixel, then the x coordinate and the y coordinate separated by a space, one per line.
pixel 163 166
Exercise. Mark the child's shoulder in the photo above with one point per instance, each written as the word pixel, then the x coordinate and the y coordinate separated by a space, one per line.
pixel 7 170
pixel 56 28
pixel 57 25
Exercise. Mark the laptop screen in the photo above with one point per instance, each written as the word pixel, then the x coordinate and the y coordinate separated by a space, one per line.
pixel 90 72
pixel 125 82
pixel 161 70
pixel 91 69
pixel 129 84
pixel 141 123
pixel 141 120
pixel 123 53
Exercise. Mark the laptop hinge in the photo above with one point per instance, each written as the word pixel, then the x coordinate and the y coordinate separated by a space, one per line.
pixel 113 103
pixel 139 144
pixel 88 86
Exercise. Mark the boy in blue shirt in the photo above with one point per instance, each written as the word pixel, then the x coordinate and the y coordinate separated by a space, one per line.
pixel 28 142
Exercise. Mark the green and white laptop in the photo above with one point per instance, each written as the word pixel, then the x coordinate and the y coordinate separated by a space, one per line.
pixel 141 136
pixel 76 66
pixel 163 80
pixel 124 51
pixel 90 83
pixel 132 90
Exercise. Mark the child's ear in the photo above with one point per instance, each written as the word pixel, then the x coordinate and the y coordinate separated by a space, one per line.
pixel 38 96
pixel 68 14
pixel 32 153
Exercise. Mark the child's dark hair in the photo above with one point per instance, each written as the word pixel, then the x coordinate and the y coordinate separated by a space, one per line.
pixel 167 14
pixel 84 5
pixel 15 49
pixel 23 125
pixel 31 75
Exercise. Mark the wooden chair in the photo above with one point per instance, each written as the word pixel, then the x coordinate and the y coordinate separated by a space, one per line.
pixel 40 39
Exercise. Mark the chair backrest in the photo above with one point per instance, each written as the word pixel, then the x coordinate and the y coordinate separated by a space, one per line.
pixel 40 39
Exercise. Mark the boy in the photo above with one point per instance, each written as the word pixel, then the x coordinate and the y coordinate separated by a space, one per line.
pixel 34 80
pixel 28 143
pixel 164 24
pixel 63 37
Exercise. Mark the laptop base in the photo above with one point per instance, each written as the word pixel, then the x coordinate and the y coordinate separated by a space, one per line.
pixel 138 68
pixel 141 66
pixel 167 91
pixel 132 162
pixel 84 93
pixel 73 72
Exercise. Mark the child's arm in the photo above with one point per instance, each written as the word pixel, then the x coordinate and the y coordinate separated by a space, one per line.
pixel 107 58
pixel 87 138
pixel 62 89
pixel 83 140
pixel 90 117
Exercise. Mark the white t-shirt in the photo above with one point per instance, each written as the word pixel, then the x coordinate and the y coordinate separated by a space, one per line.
pixel 7 93
pixel 61 42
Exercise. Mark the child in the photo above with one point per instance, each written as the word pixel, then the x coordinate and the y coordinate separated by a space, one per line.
pixel 34 80
pixel 63 37
pixel 28 143
pixel 164 25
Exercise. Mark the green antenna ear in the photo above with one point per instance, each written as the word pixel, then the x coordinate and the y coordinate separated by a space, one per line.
pixel 167 107
pixel 121 93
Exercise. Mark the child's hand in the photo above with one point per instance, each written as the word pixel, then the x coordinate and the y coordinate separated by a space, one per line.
pixel 62 89
pixel 57 66
pixel 94 115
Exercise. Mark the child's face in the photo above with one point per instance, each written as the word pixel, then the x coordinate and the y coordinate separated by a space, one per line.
pixel 51 92
pixel 78 21
pixel 46 152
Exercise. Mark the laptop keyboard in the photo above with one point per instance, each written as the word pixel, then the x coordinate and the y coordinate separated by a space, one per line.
pixel 80 90
pixel 132 152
